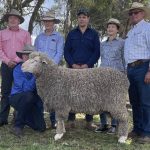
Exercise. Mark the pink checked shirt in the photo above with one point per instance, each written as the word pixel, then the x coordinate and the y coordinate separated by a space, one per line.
pixel 12 41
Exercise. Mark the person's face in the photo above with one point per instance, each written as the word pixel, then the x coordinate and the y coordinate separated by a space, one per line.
pixel 13 21
pixel 83 20
pixel 48 24
pixel 25 57
pixel 112 29
pixel 136 15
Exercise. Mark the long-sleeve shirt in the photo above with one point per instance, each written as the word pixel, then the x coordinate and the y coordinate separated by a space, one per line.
pixel 112 54
pixel 82 48
pixel 23 81
pixel 12 41
pixel 52 45
pixel 137 43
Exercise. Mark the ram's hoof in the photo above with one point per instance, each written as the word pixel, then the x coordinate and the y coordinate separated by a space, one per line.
pixel 122 139
pixel 58 136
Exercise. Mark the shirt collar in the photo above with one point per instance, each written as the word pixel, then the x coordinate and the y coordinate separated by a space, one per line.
pixel 116 38
pixel 53 33
pixel 77 28
pixel 8 28
pixel 139 23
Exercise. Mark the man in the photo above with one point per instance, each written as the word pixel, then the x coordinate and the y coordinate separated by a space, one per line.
pixel 12 39
pixel 82 50
pixel 51 43
pixel 137 57
pixel 24 97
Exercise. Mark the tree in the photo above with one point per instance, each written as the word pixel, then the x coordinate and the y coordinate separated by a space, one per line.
pixel 25 7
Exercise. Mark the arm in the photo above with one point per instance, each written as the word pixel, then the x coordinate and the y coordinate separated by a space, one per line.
pixel 59 50
pixel 23 81
pixel 67 49
pixel 96 54
pixel 3 57
pixel 36 43
pixel 122 55
pixel 147 38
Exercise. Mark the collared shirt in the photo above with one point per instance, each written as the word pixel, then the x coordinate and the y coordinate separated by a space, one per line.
pixel 52 45
pixel 23 81
pixel 137 43
pixel 12 41
pixel 112 54
pixel 82 48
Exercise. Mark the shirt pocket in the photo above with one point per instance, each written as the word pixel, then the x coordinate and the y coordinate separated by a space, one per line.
pixel 139 38
pixel 53 45
pixel 75 41
pixel 5 41
pixel 88 42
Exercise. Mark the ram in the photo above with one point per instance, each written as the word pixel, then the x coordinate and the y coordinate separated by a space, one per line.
pixel 89 91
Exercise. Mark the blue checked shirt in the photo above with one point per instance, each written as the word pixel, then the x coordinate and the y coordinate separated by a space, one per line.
pixel 52 45
pixel 137 43
pixel 112 54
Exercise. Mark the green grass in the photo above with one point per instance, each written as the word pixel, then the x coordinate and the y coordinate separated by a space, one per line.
pixel 75 139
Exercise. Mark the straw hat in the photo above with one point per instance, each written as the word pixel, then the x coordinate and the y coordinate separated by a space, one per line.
pixel 114 21
pixel 13 12
pixel 50 16
pixel 26 50
pixel 137 5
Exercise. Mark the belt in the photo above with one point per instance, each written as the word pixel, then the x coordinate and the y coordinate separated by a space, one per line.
pixel 137 63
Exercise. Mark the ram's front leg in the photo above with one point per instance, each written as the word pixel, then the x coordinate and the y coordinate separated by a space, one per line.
pixel 60 128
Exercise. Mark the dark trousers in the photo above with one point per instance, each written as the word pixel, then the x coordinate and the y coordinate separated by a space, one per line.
pixel 29 109
pixel 6 85
pixel 139 94
pixel 52 118
pixel 88 117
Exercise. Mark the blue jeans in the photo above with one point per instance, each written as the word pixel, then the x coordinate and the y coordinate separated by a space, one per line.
pixel 103 119
pixel 29 109
pixel 139 95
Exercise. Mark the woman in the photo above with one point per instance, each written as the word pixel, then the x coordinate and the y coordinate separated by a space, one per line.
pixel 111 56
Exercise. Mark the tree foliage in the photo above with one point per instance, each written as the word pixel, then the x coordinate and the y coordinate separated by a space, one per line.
pixel 100 10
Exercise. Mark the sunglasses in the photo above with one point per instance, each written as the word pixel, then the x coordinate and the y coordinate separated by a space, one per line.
pixel 134 13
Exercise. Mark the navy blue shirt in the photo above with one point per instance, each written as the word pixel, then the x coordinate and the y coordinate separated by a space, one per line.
pixel 82 48
pixel 23 81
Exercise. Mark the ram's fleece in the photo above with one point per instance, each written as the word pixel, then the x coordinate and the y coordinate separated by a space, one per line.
pixel 89 91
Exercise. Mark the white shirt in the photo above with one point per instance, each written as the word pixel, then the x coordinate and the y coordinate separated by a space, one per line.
pixel 137 43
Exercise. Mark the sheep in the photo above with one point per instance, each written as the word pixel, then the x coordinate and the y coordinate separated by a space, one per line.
pixel 90 91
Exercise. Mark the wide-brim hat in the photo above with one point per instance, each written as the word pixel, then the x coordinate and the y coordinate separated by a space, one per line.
pixel 13 12
pixel 114 21
pixel 137 5
pixel 49 16
pixel 27 49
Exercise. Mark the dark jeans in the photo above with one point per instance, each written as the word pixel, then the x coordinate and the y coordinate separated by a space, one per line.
pixel 29 109
pixel 52 118
pixel 6 85
pixel 88 118
pixel 139 94
pixel 103 118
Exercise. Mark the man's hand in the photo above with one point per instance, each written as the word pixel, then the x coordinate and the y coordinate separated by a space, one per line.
pixel 84 66
pixel 11 64
pixel 147 78
pixel 75 66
